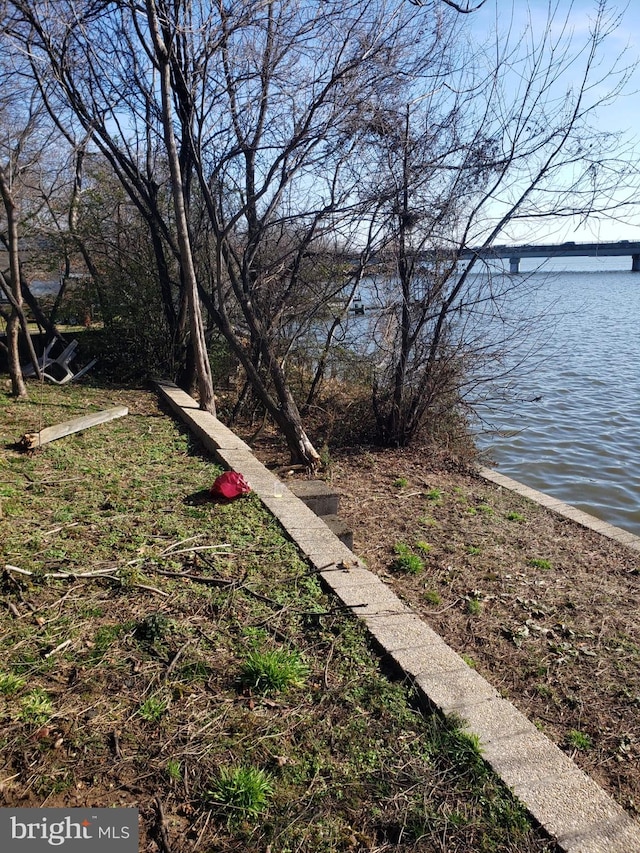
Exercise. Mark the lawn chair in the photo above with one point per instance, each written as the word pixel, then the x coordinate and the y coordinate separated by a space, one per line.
pixel 57 369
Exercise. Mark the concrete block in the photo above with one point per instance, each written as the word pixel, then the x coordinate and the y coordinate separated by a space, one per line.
pixel 317 495
pixel 581 816
pixel 624 536
pixel 527 760
pixel 349 574
pixel 494 720
pixel 339 527
pixel 402 631
pixel 614 835
pixel 323 554
pixel 242 460
pixel 211 432
pixel 455 690
pixel 577 515
pixel 434 657
pixel 314 539
pixel 292 514
pixel 371 599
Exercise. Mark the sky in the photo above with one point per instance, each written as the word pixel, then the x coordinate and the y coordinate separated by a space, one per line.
pixel 622 116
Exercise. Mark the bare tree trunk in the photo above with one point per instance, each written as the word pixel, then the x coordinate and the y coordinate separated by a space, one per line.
pixel 203 366
pixel 18 385
pixel 17 317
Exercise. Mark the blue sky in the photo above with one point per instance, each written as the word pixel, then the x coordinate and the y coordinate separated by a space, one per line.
pixel 622 116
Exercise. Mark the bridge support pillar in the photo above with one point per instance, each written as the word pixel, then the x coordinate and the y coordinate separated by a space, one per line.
pixel 514 265
pixel 635 263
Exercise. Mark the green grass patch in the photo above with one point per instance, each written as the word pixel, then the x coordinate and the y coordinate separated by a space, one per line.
pixel 515 516
pixel 273 670
pixel 35 707
pixel 432 596
pixel 241 792
pixel 579 740
pixel 537 563
pixel 406 560
pixel 11 683
pixel 473 606
pixel 131 672
pixel 486 509
pixel 153 709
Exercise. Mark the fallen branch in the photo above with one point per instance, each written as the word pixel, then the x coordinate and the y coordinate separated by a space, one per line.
pixel 13 609
pixel 171 549
pixel 115 742
pixel 152 589
pixel 106 574
pixel 200 578
pixel 160 828
pixel 99 573
pixel 199 548
pixel 175 660
pixel 35 439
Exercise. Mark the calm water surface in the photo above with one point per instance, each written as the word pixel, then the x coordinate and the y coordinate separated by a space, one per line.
pixel 574 430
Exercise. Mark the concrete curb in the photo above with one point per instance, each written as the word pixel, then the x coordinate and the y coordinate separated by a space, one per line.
pixel 557 506
pixel 569 805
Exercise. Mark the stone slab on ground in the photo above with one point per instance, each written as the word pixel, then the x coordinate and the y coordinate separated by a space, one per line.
pixel 339 527
pixel 317 495
pixel 569 805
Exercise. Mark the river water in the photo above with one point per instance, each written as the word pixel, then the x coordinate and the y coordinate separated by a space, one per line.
pixel 570 424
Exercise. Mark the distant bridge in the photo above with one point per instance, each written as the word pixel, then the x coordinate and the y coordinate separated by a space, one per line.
pixel 558 250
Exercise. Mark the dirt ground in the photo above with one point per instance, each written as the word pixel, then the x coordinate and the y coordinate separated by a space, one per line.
pixel 544 609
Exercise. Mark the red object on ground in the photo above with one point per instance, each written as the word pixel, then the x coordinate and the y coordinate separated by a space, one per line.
pixel 230 485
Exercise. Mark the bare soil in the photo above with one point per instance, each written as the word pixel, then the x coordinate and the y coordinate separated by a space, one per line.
pixel 546 610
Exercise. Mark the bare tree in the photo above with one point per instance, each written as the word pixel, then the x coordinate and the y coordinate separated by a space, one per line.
pixel 163 41
pixel 21 141
pixel 275 140
pixel 496 141
pixel 210 86
pixel 99 84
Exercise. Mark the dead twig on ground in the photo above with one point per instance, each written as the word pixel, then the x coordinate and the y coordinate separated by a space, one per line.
pixel 58 648
pixel 171 549
pixel 151 589
pixel 115 743
pixel 175 659
pixel 191 576
pixel 162 836
pixel 106 574
pixel 13 609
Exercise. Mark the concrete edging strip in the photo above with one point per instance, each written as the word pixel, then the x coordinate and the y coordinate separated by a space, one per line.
pixel 566 510
pixel 569 805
